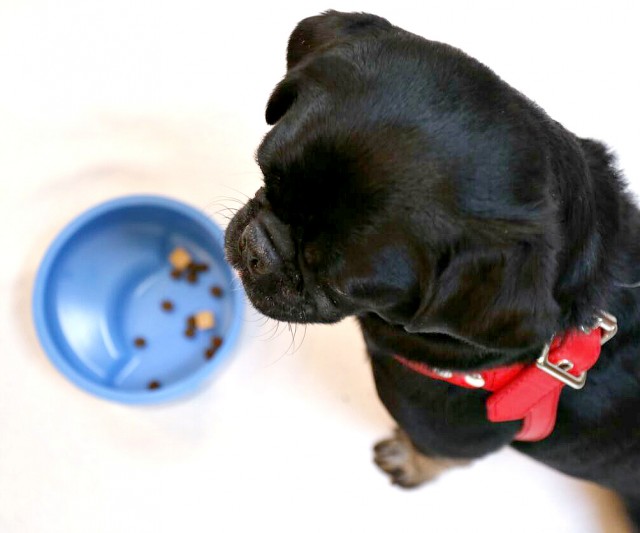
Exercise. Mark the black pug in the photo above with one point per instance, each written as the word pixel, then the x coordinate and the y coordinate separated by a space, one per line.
pixel 408 185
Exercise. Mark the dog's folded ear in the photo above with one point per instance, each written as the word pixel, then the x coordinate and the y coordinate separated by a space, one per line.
pixel 499 299
pixel 281 99
pixel 315 34
pixel 321 31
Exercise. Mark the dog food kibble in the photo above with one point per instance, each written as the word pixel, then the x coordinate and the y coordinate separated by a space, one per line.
pixel 204 320
pixel 216 342
pixel 216 291
pixel 183 264
pixel 167 305
pixel 153 385
pixel 194 269
pixel 180 259
pixel 140 342
pixel 191 326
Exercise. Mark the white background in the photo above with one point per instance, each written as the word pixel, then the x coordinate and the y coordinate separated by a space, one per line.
pixel 100 99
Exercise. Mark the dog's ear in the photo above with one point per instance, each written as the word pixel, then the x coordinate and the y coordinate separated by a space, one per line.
pixel 501 299
pixel 314 33
pixel 281 99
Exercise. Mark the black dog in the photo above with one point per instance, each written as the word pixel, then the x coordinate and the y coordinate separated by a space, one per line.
pixel 408 185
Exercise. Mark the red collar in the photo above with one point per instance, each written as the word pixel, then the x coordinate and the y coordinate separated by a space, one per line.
pixel 531 391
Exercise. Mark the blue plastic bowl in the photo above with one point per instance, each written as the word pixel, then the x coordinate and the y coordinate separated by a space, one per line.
pixel 101 284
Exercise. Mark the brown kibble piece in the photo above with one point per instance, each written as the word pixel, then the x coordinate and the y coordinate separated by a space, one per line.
pixel 204 320
pixel 140 342
pixel 209 352
pixel 175 273
pixel 153 385
pixel 191 326
pixel 167 305
pixel 193 269
pixel 200 267
pixel 180 258
pixel 216 291
pixel 216 342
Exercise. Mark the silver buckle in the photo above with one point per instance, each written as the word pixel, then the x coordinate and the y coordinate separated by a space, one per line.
pixel 560 371
pixel 608 324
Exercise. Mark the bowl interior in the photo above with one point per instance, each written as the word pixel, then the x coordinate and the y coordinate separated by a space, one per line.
pixel 104 288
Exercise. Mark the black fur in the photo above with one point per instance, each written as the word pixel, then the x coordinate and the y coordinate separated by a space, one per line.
pixel 406 184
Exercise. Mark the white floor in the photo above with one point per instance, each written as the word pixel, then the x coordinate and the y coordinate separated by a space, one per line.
pixel 100 99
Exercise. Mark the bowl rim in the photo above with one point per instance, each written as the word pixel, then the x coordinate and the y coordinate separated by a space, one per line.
pixel 43 327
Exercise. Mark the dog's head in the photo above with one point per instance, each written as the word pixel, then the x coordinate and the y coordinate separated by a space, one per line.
pixel 402 179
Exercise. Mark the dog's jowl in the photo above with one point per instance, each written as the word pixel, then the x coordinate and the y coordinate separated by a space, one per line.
pixel 488 253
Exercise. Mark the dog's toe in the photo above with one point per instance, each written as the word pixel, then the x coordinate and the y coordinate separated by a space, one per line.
pixel 390 453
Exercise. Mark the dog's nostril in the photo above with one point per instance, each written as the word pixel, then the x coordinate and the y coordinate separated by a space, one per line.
pixel 257 250
pixel 256 266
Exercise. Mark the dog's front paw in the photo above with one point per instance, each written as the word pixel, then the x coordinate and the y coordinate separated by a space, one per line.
pixel 406 466
pixel 395 458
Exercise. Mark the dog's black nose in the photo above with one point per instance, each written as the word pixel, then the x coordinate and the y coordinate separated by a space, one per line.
pixel 265 244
